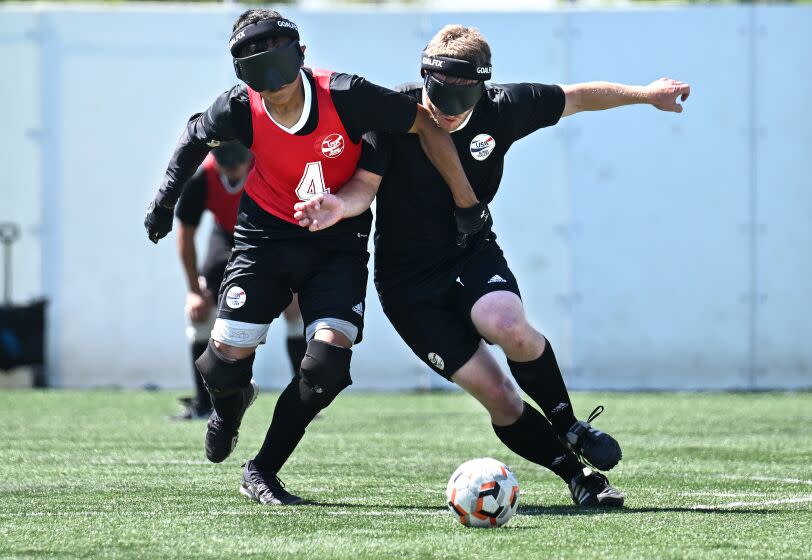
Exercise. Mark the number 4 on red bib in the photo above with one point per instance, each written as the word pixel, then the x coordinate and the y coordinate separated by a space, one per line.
pixel 312 181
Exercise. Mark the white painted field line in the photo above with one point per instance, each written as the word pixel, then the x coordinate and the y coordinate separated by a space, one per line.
pixel 798 500
pixel 769 479
pixel 148 462
pixel 721 494
pixel 262 511
pixel 786 480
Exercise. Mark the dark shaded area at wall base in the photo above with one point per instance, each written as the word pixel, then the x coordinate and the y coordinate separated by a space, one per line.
pixel 22 339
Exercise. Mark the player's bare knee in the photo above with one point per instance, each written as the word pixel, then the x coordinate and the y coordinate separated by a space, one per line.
pixel 324 373
pixel 332 337
pixel 332 330
pixel 506 329
pixel 521 340
pixel 515 336
pixel 233 352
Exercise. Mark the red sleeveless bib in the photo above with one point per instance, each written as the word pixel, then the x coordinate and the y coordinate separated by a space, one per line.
pixel 289 168
pixel 220 200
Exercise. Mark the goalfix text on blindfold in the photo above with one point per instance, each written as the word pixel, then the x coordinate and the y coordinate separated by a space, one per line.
pixel 453 99
pixel 271 69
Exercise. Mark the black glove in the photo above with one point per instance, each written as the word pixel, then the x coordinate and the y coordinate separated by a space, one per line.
pixel 158 221
pixel 473 223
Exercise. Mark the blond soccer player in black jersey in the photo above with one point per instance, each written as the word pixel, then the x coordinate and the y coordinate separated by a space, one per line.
pixel 445 301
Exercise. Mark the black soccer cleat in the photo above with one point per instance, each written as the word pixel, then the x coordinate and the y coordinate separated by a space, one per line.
pixel 592 489
pixel 221 436
pixel 265 487
pixel 594 447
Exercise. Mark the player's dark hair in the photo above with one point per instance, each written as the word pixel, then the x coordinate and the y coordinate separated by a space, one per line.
pixel 255 15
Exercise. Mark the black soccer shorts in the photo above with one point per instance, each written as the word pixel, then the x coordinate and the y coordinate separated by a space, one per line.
pixel 327 269
pixel 217 255
pixel 439 329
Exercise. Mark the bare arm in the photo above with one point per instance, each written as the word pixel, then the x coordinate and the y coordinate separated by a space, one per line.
pixel 188 256
pixel 598 96
pixel 443 155
pixel 359 192
pixel 325 210
pixel 198 301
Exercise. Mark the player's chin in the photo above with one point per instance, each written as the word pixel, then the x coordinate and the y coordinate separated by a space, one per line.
pixel 280 95
pixel 448 123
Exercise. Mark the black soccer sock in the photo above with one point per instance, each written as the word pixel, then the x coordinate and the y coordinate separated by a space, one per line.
pixel 201 393
pixel 228 408
pixel 290 419
pixel 297 346
pixel 542 381
pixel 324 373
pixel 532 437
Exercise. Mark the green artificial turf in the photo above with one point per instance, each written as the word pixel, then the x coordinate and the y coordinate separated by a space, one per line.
pixel 105 474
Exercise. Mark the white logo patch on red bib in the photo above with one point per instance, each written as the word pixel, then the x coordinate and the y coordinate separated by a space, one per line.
pixel 481 146
pixel 235 297
pixel 332 145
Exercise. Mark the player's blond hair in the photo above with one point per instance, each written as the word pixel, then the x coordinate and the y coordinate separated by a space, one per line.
pixel 464 43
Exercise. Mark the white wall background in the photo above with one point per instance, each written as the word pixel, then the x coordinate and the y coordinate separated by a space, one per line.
pixel 665 251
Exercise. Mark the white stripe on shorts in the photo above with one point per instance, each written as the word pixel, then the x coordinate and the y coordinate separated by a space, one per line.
pixel 239 334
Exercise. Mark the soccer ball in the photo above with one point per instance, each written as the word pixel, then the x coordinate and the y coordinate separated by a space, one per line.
pixel 483 493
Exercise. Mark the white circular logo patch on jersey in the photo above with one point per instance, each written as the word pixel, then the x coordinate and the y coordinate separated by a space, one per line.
pixel 332 146
pixel 437 361
pixel 235 297
pixel 482 145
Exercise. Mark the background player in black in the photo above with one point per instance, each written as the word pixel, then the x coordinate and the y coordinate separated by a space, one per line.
pixel 273 256
pixel 444 301
pixel 225 172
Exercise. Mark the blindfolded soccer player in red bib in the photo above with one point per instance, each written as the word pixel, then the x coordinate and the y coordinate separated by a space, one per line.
pixel 217 186
pixel 304 128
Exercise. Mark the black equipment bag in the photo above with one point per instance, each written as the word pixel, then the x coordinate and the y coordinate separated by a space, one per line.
pixel 22 335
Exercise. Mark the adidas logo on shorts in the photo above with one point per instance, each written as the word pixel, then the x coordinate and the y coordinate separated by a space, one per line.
pixel 496 278
pixel 359 308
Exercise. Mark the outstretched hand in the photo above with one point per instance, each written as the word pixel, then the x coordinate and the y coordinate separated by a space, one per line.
pixel 320 212
pixel 665 92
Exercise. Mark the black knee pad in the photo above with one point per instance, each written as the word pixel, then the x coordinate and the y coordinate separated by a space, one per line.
pixel 224 376
pixel 325 372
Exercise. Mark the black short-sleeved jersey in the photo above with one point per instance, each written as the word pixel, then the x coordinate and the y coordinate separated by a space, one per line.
pixel 192 203
pixel 414 230
pixel 361 105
